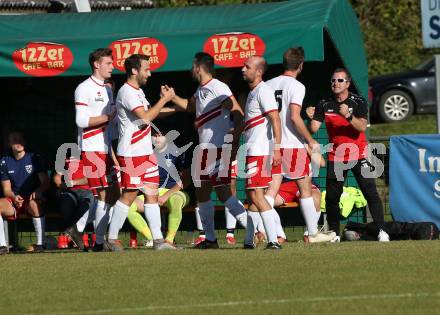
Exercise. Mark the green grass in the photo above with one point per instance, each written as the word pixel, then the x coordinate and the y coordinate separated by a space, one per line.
pixel 417 124
pixel 345 278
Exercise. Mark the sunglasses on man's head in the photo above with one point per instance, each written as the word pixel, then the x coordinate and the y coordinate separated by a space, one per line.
pixel 339 80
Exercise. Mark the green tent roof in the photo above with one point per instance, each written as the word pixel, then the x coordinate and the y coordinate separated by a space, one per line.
pixel 183 31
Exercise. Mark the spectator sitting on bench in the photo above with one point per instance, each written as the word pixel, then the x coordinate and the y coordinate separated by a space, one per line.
pixel 76 201
pixel 288 193
pixel 174 176
pixel 24 181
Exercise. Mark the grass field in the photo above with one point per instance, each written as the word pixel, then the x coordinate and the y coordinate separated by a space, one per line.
pixel 417 124
pixel 345 278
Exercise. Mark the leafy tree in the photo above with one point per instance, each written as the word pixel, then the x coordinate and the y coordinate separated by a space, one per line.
pixel 391 29
pixel 392 34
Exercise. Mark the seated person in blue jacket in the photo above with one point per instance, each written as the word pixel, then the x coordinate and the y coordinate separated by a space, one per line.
pixel 24 181
pixel 175 175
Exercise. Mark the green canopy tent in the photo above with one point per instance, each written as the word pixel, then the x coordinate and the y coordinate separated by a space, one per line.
pixel 44 57
pixel 59 44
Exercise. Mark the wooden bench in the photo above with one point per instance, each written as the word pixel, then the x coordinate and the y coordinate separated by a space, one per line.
pixel 23 223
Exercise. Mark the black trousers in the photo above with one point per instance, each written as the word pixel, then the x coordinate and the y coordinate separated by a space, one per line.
pixel 335 187
pixel 72 206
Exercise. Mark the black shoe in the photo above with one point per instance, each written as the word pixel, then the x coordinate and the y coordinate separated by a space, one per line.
pixel 75 236
pixel 35 248
pixel 273 245
pixel 98 248
pixel 248 246
pixel 4 250
pixel 207 244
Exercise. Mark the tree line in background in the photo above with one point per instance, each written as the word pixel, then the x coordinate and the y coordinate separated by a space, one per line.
pixel 391 29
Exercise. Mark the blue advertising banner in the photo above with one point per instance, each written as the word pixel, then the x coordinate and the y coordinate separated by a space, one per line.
pixel 415 178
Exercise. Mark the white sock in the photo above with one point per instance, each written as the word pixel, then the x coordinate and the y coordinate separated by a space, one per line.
pixel 253 220
pixel 110 213
pixel 270 200
pixel 206 211
pixel 279 227
pixel 270 225
pixel 260 226
pixel 2 233
pixel 101 220
pixel 198 220
pixel 39 226
pixel 120 212
pixel 82 222
pixel 237 210
pixel 317 216
pixel 152 214
pixel 230 219
pixel 309 213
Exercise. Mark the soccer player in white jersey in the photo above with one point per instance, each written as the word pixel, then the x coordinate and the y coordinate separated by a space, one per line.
pixel 263 137
pixel 93 112
pixel 213 103
pixel 295 142
pixel 139 170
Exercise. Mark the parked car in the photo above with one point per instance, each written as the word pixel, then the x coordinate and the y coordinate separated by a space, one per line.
pixel 396 97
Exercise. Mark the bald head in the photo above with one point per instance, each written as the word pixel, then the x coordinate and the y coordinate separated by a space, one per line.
pixel 254 69
pixel 260 63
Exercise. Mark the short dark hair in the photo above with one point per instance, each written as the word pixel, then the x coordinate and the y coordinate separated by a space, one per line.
pixel 134 62
pixel 97 54
pixel 347 74
pixel 16 136
pixel 206 61
pixel 293 58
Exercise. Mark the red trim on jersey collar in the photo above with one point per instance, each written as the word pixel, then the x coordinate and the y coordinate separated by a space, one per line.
pixel 96 80
pixel 81 104
pixel 136 88
pixel 202 85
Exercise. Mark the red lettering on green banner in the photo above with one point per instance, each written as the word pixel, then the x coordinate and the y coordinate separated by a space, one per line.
pixel 232 49
pixel 41 59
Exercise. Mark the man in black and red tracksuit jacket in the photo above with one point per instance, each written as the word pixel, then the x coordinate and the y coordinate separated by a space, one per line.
pixel 346 116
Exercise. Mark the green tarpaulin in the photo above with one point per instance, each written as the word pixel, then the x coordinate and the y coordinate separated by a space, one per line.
pixel 59 44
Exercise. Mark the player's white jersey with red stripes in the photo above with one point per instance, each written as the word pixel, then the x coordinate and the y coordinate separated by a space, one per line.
pixel 258 130
pixel 91 100
pixel 288 90
pixel 212 120
pixel 134 136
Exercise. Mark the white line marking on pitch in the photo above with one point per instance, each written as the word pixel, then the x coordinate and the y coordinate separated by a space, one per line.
pixel 238 303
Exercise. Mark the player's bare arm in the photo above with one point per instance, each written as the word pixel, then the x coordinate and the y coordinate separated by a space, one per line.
pixel 314 125
pixel 152 113
pixel 44 186
pixel 7 192
pixel 237 115
pixel 360 124
pixel 101 119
